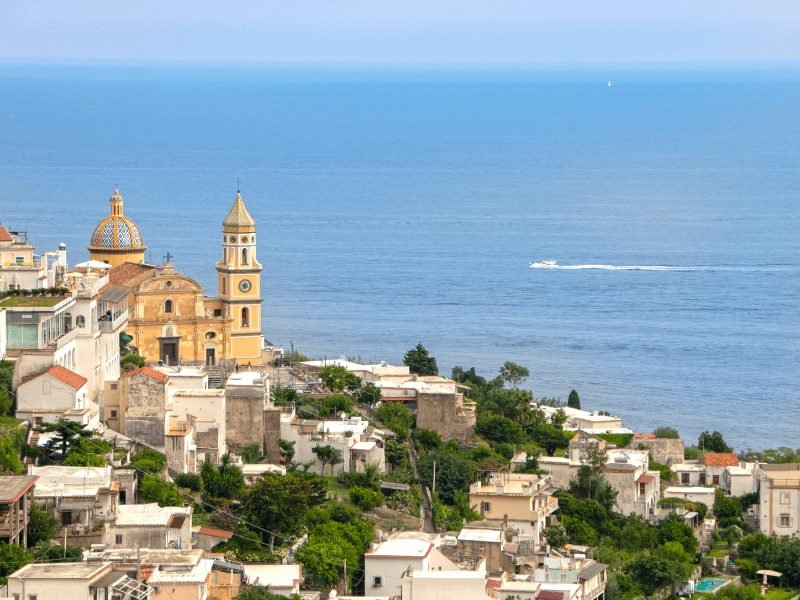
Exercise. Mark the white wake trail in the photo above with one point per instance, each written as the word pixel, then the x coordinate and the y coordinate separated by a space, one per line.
pixel 549 265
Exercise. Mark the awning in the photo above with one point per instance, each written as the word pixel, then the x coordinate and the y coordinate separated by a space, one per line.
pixel 645 479
pixel 114 294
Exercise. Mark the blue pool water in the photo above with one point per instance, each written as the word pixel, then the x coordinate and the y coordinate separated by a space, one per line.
pixel 709 584
pixel 405 206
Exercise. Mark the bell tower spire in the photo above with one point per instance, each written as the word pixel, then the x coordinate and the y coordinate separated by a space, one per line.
pixel 239 279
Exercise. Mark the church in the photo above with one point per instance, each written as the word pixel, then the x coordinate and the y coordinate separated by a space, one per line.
pixel 170 317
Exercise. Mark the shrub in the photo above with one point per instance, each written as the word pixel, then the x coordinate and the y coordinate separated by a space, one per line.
pixel 189 481
pixel 365 498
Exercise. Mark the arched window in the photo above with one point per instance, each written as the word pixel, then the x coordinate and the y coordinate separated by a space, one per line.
pixel 223 286
pixel 244 256
pixel 245 317
pixel 80 321
pixel 168 306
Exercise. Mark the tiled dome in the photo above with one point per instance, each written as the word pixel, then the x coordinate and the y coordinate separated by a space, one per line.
pixel 116 232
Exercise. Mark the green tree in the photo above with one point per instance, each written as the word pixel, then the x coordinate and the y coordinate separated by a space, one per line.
pixel 262 593
pixel 328 455
pixel 499 429
pixel 667 433
pixel 368 394
pixel 190 481
pixel 652 572
pixel 225 481
pixel 468 376
pixel 6 405
pixel 89 451
pixel 556 535
pixel 513 374
pixel 674 529
pixel 66 433
pixel 132 361
pixel 574 401
pixel 427 439
pixel 365 498
pixel 335 404
pixel 420 362
pixel 396 416
pixel 396 452
pixel 155 489
pixel 251 453
pixel 49 552
pixel 454 472
pixel 337 378
pixel 149 460
pixel 281 396
pixel 12 557
pixel 279 503
pixel 712 442
pixel 512 404
pixel 43 525
pixel 287 450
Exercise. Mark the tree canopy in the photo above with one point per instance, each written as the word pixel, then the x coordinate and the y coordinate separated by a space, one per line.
pixel 574 401
pixel 420 362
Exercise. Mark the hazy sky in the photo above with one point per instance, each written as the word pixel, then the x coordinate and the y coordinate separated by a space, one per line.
pixel 412 31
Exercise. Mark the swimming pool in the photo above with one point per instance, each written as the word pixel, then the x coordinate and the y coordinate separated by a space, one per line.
pixel 709 584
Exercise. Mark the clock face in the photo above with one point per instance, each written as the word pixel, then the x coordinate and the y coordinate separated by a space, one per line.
pixel 245 285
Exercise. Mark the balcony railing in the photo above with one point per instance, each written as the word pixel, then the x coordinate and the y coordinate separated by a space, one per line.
pixel 110 325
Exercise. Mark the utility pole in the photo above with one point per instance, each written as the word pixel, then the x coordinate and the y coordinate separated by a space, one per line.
pixel 345 576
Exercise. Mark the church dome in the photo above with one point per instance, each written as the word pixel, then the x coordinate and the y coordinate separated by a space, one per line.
pixel 116 231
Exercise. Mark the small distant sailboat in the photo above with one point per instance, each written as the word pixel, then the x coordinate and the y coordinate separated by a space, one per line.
pixel 609 83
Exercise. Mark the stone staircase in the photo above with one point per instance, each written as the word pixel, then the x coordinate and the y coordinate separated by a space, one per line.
pixel 216 376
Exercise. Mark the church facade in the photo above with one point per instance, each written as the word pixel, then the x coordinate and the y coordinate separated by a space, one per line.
pixel 171 319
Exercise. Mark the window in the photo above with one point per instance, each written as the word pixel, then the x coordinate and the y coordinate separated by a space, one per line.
pixel 168 306
pixel 785 520
pixel 245 317
pixel 113 414
pixel 20 260
pixel 118 540
pixel 32 597
pixel 685 478
pixel 702 478
pixel 217 312
pixel 715 479
pixel 210 335
pixel 486 507
pixel 223 286
pixel 80 321
pixel 113 386
pixel 244 256
pixel 784 497
pixel 377 581
pixel 244 239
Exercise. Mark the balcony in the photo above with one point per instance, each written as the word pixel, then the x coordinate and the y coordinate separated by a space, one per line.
pixel 114 322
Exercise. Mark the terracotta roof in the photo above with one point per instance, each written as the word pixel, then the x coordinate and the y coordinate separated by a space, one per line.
pixel 148 372
pixel 130 275
pixel 64 375
pixel 4 235
pixel 221 533
pixel 720 459
pixel 645 479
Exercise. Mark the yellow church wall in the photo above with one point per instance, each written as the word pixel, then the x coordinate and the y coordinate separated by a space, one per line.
pixel 116 258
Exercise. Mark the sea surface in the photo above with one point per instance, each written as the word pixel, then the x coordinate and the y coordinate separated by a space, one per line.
pixel 403 206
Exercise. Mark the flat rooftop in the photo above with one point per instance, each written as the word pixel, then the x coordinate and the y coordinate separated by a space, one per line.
pixel 402 547
pixel 131 515
pixel 12 487
pixel 247 378
pixel 77 570
pixel 31 301
pixel 689 490
pixel 61 481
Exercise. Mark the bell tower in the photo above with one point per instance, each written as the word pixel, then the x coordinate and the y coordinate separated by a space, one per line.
pixel 239 281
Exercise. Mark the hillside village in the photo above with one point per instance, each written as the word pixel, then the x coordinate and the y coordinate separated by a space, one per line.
pixel 199 469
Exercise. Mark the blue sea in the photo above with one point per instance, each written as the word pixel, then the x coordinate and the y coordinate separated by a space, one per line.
pixel 406 205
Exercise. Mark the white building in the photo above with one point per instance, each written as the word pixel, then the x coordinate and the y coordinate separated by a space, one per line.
pixel 53 394
pixel 779 499
pixel 150 526
pixel 704 495
pixel 22 269
pixel 385 564
pixel 584 420
pixel 283 580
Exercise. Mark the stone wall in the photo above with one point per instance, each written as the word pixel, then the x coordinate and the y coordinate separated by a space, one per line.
pixel 272 433
pixel 664 450
pixel 244 417
pixel 447 415
pixel 144 410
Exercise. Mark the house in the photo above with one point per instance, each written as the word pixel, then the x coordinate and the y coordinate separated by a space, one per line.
pixel 208 537
pixel 572 577
pixel 523 501
pixel 692 473
pixel 584 420
pixel 704 495
pixel 387 562
pixel 779 499
pixel 53 394
pixel 283 580
pixel 207 409
pixel 627 471
pixel 482 541
pixel 150 526
pixel 181 581
pixel 359 444
pixel 716 463
pixel 136 406
pixel 22 269
pixel 16 495
pixel 74 580
pixel 740 480
pixel 460 584
pixel 79 497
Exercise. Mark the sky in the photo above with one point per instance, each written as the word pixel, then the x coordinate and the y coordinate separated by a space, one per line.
pixel 432 32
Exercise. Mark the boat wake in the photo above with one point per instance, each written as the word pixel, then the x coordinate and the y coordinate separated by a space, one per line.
pixel 552 265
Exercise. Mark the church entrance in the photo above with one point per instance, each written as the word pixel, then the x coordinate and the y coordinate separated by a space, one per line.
pixel 211 357
pixel 168 350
